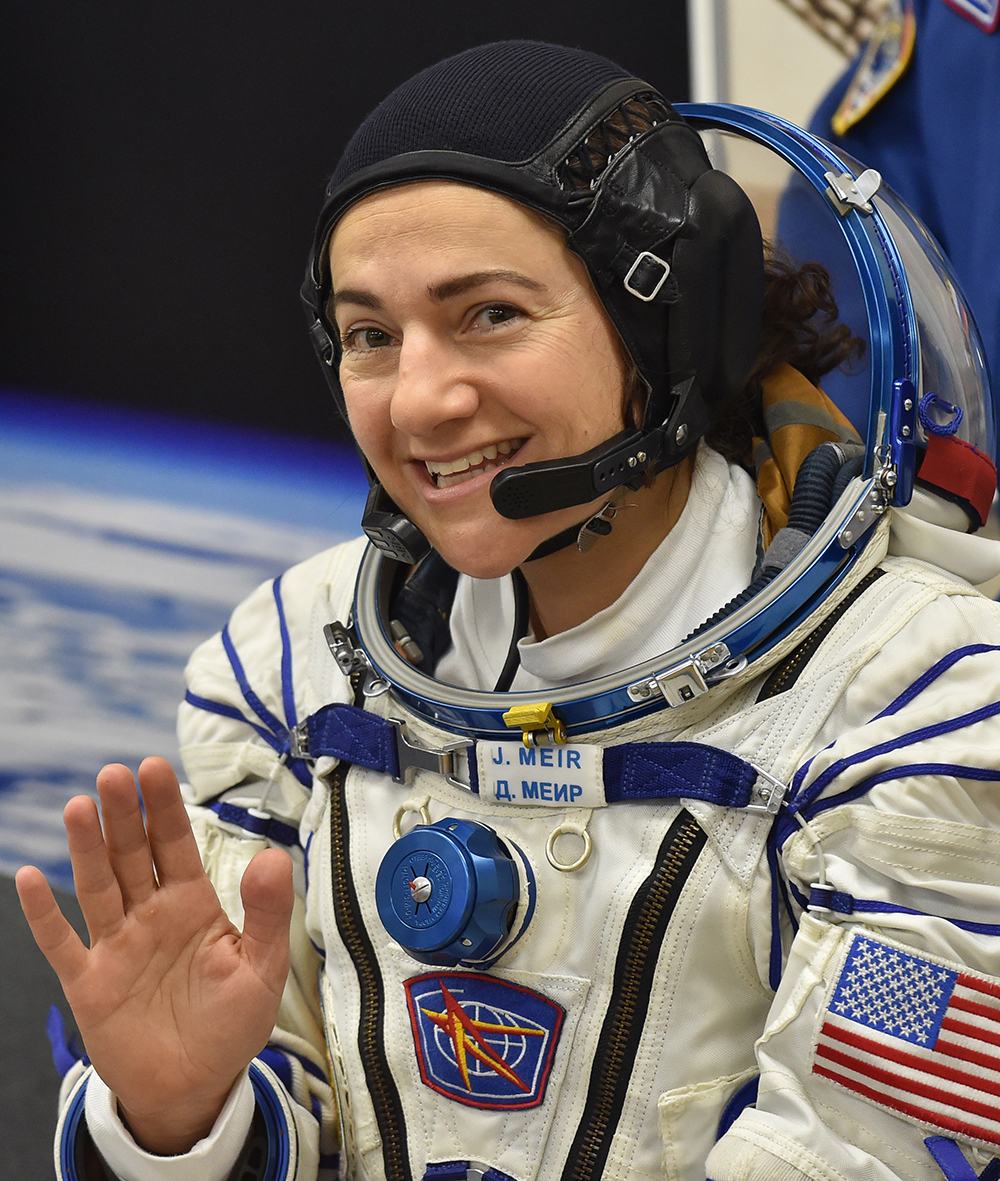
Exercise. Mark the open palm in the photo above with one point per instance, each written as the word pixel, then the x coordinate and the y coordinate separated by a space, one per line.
pixel 171 999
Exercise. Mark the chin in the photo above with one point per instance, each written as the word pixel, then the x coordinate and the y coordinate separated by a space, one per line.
pixel 482 564
pixel 485 555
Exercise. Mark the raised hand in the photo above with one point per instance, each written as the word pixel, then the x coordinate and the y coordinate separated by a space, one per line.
pixel 171 999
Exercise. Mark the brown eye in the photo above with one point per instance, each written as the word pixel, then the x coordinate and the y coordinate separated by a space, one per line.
pixel 490 317
pixel 365 340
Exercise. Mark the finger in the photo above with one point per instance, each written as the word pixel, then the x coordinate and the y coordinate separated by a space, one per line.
pixel 125 834
pixel 96 885
pixel 268 897
pixel 175 851
pixel 56 939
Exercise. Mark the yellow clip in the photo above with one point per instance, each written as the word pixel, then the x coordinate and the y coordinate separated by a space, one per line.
pixel 535 717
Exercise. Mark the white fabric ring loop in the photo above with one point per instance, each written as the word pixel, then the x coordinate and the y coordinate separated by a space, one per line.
pixel 577 830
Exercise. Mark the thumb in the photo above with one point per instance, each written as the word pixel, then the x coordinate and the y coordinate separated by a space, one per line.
pixel 268 897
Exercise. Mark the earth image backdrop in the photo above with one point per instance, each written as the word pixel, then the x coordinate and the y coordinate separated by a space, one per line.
pixel 126 538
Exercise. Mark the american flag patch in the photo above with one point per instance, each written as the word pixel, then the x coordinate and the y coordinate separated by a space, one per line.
pixel 916 1037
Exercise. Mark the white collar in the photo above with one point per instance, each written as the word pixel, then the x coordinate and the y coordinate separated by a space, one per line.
pixel 702 563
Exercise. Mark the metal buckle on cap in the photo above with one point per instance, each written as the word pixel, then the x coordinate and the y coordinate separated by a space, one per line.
pixel 632 290
pixel 441 760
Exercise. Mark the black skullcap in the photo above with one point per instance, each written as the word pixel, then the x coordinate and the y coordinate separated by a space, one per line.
pixel 672 247
pixel 504 101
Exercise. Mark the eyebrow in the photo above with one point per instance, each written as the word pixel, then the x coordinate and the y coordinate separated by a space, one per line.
pixel 441 291
pixel 464 283
pixel 361 299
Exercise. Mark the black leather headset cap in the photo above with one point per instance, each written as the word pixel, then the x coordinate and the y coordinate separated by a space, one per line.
pixel 672 245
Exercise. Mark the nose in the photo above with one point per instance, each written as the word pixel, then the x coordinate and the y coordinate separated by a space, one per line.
pixel 433 386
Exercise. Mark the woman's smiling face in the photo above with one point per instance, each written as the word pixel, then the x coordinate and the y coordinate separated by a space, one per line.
pixel 472 338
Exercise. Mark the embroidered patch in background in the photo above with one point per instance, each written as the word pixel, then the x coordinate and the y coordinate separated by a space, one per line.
pixel 882 64
pixel 916 1037
pixel 482 1041
pixel 983 13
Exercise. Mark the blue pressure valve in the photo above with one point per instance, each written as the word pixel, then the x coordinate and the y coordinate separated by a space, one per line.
pixel 447 892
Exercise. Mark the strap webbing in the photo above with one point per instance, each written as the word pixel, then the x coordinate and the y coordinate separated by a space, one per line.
pixel 263 826
pixel 632 771
pixel 666 770
pixel 950 1159
pixel 353 735
pixel 458 1170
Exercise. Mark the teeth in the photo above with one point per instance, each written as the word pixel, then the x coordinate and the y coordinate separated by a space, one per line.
pixel 473 459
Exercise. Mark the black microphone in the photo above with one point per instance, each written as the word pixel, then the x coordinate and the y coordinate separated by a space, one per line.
pixel 552 484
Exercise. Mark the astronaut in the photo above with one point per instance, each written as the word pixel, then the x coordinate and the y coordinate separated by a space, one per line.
pixel 639 819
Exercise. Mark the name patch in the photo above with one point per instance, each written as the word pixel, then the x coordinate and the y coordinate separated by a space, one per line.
pixel 558 776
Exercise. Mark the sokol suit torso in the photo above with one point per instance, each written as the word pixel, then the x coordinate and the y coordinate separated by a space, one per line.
pixel 612 1036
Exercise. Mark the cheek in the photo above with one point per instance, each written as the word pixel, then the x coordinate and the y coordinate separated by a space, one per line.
pixel 581 369
pixel 578 382
pixel 364 405
pixel 370 426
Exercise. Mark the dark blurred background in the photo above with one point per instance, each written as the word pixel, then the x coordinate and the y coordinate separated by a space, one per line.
pixel 163 165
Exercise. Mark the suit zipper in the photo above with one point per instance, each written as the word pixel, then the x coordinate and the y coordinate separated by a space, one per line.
pixel 784 676
pixel 639 951
pixel 381 1085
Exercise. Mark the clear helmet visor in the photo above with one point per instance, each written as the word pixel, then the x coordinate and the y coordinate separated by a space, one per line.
pixel 893 286
pixel 920 390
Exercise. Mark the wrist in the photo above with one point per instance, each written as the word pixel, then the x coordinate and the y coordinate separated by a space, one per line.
pixel 211 1158
pixel 174 1131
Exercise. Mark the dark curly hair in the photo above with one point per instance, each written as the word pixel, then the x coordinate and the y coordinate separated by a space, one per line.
pixel 800 328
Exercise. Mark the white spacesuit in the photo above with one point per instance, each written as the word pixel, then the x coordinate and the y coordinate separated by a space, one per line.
pixel 677 901
pixel 716 903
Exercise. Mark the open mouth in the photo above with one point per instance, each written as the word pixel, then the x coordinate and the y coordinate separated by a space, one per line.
pixel 457 471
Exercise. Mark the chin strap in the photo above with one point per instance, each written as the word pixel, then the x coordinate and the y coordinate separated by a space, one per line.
pixel 554 544
pixel 397 536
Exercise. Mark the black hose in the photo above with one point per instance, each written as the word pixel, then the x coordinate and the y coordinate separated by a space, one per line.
pixel 521 614
pixel 853 467
pixel 813 494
